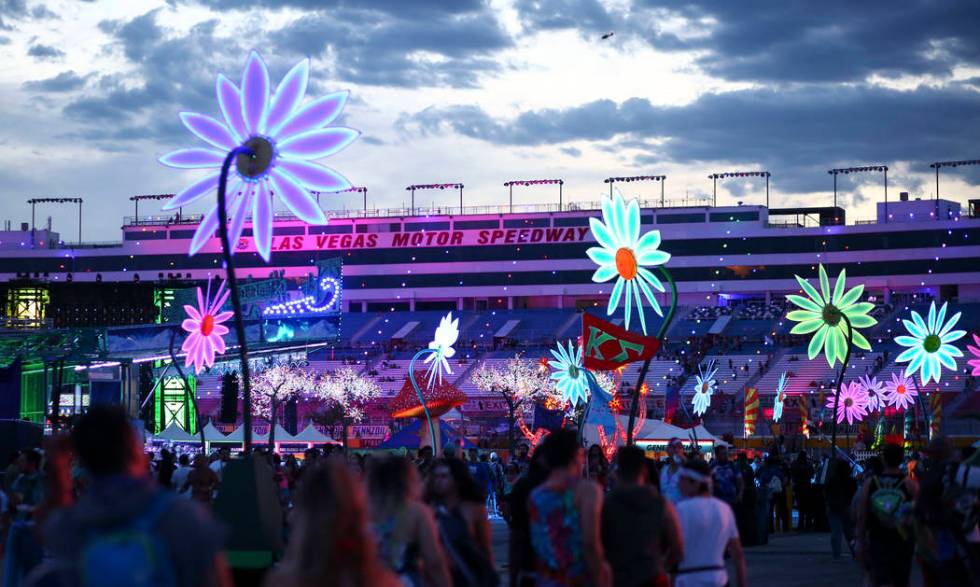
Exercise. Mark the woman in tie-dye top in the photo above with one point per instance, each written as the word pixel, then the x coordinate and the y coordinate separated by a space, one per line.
pixel 564 514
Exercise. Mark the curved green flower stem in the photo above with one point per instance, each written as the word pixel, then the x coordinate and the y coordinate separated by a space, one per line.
pixel 635 404
pixel 428 417
pixel 187 388
pixel 236 302
pixel 840 381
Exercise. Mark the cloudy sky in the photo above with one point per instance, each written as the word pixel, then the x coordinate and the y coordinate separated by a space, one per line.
pixel 486 91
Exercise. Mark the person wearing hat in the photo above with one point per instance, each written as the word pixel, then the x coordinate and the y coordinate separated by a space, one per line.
pixel 709 530
pixel 669 474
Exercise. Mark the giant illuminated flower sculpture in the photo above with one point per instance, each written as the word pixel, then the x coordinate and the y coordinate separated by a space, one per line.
pixel 569 374
pixel 284 137
pixel 204 328
pixel 625 255
pixel 975 351
pixel 900 392
pixel 777 407
pixel 442 346
pixel 704 386
pixel 875 390
pixel 930 344
pixel 853 404
pixel 822 314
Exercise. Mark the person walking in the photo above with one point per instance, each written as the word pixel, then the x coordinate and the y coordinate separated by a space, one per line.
pixel 709 532
pixel 669 481
pixel 840 490
pixel 640 532
pixel 884 537
pixel 726 478
pixel 180 475
pixel 565 519
pixel 462 520
pixel 408 539
pixel 202 481
pixel 331 543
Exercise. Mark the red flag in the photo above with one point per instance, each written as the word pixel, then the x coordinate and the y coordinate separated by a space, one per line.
pixel 609 347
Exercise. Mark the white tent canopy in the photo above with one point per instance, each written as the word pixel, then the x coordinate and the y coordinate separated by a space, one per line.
pixel 175 433
pixel 309 435
pixel 655 432
pixel 212 434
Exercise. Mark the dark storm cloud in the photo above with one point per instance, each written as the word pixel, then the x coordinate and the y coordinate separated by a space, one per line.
pixel 40 51
pixel 835 40
pixel 66 81
pixel 401 44
pixel 800 133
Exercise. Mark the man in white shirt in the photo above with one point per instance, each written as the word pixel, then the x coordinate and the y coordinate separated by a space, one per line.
pixel 669 474
pixel 708 526
pixel 179 479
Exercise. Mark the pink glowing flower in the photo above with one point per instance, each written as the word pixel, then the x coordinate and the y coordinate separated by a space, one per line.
pixel 853 403
pixel 875 390
pixel 204 329
pixel 900 392
pixel 975 351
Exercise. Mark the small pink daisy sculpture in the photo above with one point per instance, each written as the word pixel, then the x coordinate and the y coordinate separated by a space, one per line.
pixel 875 390
pixel 853 403
pixel 204 328
pixel 900 392
pixel 975 351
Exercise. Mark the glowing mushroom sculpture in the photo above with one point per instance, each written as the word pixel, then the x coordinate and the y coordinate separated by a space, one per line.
pixel 438 399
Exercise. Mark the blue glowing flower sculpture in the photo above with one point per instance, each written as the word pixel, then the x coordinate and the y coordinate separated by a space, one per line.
pixel 285 137
pixel 569 374
pixel 703 388
pixel 930 344
pixel 777 407
pixel 822 314
pixel 624 254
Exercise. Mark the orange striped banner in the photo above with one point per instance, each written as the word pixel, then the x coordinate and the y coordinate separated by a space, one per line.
pixel 751 410
pixel 804 416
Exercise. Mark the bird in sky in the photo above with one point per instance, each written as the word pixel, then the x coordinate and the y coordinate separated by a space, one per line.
pixel 607 35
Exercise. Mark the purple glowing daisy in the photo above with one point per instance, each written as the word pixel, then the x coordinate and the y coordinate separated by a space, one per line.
pixel 875 390
pixel 284 136
pixel 853 403
pixel 204 328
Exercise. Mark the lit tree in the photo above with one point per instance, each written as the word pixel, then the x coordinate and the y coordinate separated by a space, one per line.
pixel 521 383
pixel 274 386
pixel 345 393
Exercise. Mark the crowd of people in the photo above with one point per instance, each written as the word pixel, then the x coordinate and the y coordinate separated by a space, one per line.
pixel 93 510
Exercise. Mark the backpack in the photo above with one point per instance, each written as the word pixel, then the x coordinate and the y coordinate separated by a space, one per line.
pixel 889 502
pixel 131 554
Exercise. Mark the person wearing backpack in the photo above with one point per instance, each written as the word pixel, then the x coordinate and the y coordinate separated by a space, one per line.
pixel 884 530
pixel 726 477
pixel 124 529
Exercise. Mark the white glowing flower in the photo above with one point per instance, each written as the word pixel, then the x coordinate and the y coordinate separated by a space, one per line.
pixel 446 335
pixel 930 347
pixel 777 408
pixel 569 374
pixel 624 254
pixel 704 386
pixel 285 136
pixel 876 393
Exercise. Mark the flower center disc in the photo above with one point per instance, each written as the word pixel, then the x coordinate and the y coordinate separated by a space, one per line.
pixel 256 165
pixel 932 343
pixel 626 263
pixel 704 387
pixel 207 324
pixel 573 371
pixel 848 402
pixel 831 315
pixel 900 390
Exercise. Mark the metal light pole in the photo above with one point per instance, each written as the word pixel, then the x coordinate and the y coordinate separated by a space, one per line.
pixel 630 179
pixel 35 201
pixel 436 186
pixel 353 189
pixel 529 182
pixel 137 199
pixel 714 177
pixel 940 164
pixel 862 169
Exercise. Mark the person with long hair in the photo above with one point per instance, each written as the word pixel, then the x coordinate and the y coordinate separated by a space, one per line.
pixel 461 514
pixel 331 543
pixel 405 528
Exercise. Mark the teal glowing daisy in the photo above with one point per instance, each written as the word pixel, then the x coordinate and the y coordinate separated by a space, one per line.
pixel 569 374
pixel 930 344
pixel 625 255
pixel 823 314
